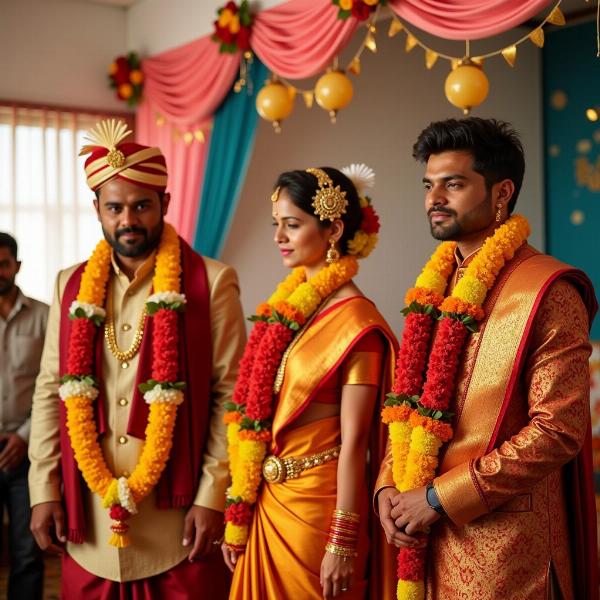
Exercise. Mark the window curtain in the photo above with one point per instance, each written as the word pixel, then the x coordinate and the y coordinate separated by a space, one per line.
pixel 44 199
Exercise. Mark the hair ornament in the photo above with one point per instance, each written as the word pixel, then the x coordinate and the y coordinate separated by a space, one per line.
pixel 329 202
pixel 362 176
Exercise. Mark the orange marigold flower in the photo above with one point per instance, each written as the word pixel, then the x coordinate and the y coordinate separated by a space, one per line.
pixel 258 436
pixel 263 309
pixel 232 416
pixel 455 305
pixel 423 297
pixel 389 414
pixel 443 431
pixel 291 313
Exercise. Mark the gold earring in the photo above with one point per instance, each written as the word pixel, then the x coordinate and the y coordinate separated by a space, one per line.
pixel 498 212
pixel 333 254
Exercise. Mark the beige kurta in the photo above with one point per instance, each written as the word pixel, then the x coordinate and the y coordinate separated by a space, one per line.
pixel 155 534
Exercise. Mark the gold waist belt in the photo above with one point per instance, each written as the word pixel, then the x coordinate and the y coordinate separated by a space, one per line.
pixel 276 470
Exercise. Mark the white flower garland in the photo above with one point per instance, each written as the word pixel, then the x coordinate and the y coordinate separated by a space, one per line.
pixel 90 310
pixel 75 388
pixel 160 394
pixel 125 496
pixel 167 298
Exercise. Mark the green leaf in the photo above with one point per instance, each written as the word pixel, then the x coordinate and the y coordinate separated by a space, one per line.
pixel 232 406
pixel 152 307
pixel 344 14
pixel 255 424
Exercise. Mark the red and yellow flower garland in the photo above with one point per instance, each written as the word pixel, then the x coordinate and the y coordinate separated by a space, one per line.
pixel 416 411
pixel 163 392
pixel 248 416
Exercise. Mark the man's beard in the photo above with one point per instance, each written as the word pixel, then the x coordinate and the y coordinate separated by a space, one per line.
pixel 6 286
pixel 151 239
pixel 448 231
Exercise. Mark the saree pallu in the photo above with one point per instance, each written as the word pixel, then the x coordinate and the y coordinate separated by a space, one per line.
pixel 291 519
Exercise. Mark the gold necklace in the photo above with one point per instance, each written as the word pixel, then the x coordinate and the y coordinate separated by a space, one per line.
pixel 111 337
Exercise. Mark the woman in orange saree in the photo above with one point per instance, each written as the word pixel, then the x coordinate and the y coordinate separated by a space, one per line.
pixel 310 534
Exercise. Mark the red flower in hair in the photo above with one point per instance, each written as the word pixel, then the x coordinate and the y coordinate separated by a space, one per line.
pixel 370 221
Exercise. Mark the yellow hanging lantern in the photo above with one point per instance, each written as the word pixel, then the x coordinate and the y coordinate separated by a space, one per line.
pixel 274 103
pixel 333 92
pixel 467 85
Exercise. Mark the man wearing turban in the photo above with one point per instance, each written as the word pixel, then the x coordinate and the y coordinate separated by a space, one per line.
pixel 128 448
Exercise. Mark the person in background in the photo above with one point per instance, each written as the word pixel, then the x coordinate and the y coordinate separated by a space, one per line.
pixel 22 329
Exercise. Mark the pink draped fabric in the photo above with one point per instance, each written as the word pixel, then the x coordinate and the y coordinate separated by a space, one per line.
pixel 467 19
pixel 299 38
pixel 185 164
pixel 296 39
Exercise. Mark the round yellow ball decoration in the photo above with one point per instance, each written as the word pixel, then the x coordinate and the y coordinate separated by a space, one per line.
pixel 274 103
pixel 467 86
pixel 333 92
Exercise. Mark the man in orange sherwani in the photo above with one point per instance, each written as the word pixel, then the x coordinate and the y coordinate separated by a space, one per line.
pixel 511 512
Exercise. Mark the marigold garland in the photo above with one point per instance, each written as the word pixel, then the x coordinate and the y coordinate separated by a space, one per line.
pixel 416 411
pixel 163 392
pixel 248 415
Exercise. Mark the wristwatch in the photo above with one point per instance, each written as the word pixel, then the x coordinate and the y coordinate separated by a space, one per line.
pixel 433 500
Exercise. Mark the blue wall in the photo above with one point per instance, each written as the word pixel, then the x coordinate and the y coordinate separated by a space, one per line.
pixel 572 150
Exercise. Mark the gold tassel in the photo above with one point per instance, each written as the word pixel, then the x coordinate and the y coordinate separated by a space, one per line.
pixel 119 538
pixel 411 42
pixel 430 58
pixel 395 27
pixel 355 66
pixel 537 37
pixel 370 43
pixel 510 55
pixel 556 17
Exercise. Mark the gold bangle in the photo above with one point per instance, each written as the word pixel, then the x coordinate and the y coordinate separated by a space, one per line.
pixel 340 550
pixel 346 514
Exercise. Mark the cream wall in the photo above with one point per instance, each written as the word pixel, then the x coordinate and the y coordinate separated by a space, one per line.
pixel 157 25
pixel 395 97
pixel 58 52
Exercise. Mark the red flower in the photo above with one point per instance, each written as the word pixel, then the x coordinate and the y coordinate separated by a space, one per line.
pixel 360 10
pixel 232 6
pixel 243 38
pixel 370 222
pixel 411 564
pixel 122 73
pixel 268 357
pixel 165 345
pixel 443 364
pixel 81 347
pixel 224 34
pixel 239 513
pixel 413 354
pixel 118 513
pixel 240 391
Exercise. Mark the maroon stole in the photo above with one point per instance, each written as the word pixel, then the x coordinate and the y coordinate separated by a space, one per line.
pixel 179 481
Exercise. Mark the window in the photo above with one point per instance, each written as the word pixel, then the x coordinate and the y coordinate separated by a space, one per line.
pixel 44 199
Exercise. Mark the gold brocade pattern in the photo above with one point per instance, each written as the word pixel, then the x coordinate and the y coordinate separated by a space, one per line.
pixel 511 551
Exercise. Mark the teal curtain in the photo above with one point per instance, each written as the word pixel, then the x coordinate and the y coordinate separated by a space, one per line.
pixel 231 143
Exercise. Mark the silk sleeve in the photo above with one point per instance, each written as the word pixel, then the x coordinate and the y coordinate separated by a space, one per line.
pixel 556 388
pixel 364 363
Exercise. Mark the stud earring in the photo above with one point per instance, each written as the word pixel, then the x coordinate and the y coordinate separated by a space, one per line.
pixel 498 212
pixel 333 254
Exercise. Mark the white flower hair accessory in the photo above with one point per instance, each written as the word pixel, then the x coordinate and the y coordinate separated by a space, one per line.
pixel 361 176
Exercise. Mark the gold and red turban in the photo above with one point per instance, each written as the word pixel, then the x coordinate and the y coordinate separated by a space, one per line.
pixel 109 158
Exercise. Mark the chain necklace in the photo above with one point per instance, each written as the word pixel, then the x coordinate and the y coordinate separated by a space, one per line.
pixel 110 334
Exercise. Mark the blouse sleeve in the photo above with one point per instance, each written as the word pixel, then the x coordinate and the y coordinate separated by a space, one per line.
pixel 363 365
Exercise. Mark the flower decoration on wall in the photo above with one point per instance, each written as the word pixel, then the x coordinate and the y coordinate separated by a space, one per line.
pixel 233 27
pixel 126 77
pixel 359 9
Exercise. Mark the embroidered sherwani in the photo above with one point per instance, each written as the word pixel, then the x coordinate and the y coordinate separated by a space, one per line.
pixel 155 534
pixel 521 413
